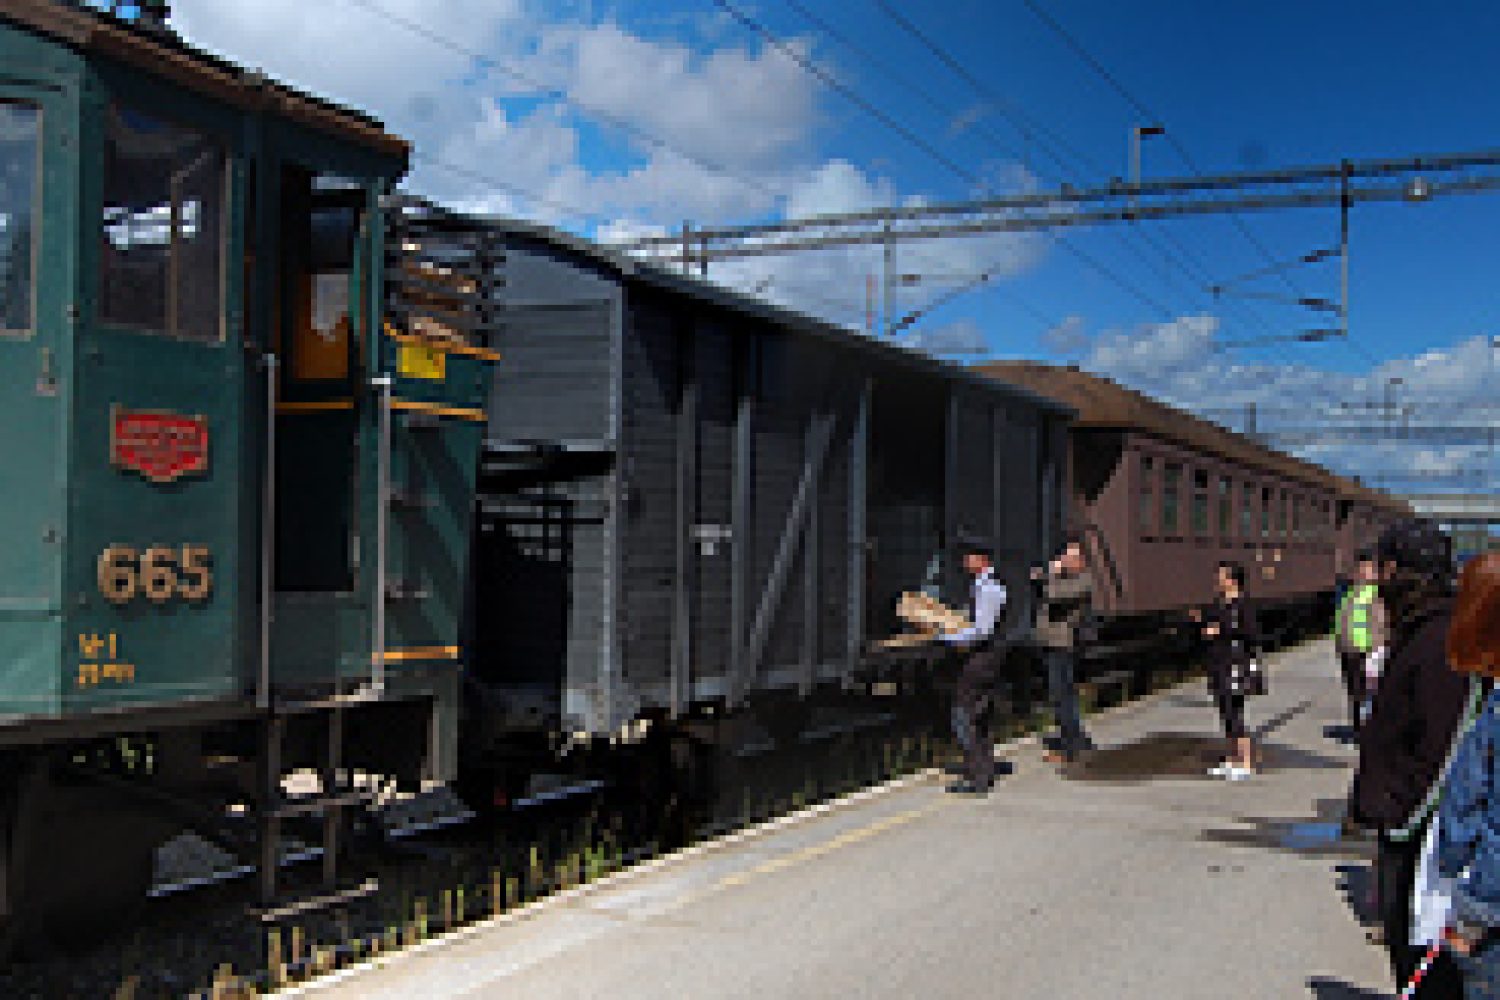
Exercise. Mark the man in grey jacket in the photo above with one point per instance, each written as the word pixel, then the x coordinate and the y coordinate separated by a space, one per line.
pixel 1067 591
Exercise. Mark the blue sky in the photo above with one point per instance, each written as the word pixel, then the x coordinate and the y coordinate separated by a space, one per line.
pixel 739 131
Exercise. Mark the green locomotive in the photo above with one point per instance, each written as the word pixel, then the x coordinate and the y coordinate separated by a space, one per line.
pixel 241 405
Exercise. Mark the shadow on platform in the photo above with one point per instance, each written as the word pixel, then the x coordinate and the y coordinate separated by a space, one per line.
pixel 1313 839
pixel 1340 733
pixel 1323 835
pixel 1356 883
pixel 1184 755
pixel 1336 989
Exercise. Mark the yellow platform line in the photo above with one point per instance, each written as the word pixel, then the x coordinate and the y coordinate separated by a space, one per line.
pixel 828 846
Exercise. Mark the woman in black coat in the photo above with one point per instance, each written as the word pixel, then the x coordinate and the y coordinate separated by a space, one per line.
pixel 1414 725
pixel 1230 627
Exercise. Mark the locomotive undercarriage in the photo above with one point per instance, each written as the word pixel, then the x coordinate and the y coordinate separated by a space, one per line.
pixel 82 821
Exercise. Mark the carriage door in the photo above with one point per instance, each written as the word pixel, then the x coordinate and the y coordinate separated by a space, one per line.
pixel 158 419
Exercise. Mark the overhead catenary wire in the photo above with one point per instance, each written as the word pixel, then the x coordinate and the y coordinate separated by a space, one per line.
pixel 1140 107
pixel 834 83
pixel 480 177
pixel 916 140
pixel 1090 60
pixel 587 109
pixel 556 93
pixel 1049 142
pixel 927 97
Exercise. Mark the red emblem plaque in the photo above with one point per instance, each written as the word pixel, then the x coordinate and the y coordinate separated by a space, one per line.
pixel 163 447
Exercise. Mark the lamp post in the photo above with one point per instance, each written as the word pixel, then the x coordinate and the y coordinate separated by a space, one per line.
pixel 1137 133
pixel 1390 398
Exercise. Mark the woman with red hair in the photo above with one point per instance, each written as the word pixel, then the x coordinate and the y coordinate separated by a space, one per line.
pixel 1468 836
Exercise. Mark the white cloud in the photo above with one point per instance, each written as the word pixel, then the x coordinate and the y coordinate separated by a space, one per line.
pixel 1158 350
pixel 961 337
pixel 1069 337
pixel 718 101
pixel 1179 362
pixel 754 110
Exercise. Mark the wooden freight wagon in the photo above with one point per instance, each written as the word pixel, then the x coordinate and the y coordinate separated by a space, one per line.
pixel 691 496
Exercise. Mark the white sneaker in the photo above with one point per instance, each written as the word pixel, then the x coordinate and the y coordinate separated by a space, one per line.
pixel 1236 773
pixel 1220 770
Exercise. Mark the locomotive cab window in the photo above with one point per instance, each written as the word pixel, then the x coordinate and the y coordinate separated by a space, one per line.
pixel 162 231
pixel 20 133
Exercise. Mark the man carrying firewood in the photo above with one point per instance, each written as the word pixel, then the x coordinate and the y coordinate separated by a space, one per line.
pixel 976 679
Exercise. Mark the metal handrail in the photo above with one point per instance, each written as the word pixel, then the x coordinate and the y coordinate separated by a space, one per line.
pixel 383 384
pixel 268 537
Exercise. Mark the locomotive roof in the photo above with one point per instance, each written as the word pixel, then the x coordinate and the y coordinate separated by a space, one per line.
pixel 633 269
pixel 1104 403
pixel 162 53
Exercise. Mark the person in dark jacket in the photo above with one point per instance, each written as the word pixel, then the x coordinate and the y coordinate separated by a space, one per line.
pixel 1468 835
pixel 1067 590
pixel 1231 630
pixel 1409 737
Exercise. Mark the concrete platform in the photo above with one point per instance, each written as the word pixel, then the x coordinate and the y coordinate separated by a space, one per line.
pixel 1133 877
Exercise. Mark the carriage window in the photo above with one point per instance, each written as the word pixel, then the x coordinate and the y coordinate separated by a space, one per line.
pixel 20 128
pixel 1148 495
pixel 1226 498
pixel 1247 511
pixel 161 261
pixel 1200 502
pixel 1265 512
pixel 1281 503
pixel 1171 498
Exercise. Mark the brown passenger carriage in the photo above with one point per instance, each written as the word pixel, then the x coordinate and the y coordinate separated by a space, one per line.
pixel 1161 496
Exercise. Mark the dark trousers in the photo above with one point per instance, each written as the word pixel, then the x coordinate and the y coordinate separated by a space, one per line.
pixel 1352 666
pixel 971 718
pixel 1396 874
pixel 1231 713
pixel 1064 697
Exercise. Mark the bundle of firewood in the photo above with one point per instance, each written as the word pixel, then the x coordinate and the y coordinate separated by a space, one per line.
pixel 437 297
pixel 928 617
pixel 927 614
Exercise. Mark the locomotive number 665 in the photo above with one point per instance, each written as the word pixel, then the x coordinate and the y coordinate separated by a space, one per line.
pixel 160 573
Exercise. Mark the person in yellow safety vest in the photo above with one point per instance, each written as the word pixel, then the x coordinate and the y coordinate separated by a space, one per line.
pixel 1361 633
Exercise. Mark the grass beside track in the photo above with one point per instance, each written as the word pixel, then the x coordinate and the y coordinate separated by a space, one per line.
pixel 295 955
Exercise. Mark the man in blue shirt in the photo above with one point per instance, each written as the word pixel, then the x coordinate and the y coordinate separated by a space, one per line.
pixel 977 677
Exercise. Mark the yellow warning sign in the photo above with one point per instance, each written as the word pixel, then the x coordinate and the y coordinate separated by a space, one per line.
pixel 421 361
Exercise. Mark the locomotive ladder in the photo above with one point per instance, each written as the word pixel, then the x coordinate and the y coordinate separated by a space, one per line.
pixel 335 793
